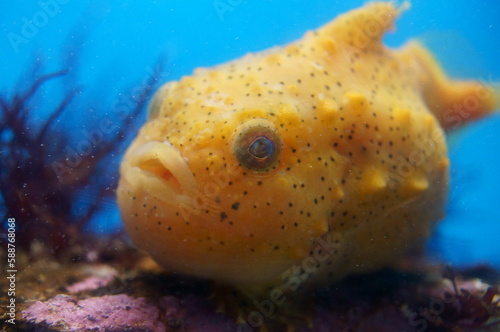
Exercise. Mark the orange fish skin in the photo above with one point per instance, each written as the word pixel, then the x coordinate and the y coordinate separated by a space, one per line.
pixel 299 165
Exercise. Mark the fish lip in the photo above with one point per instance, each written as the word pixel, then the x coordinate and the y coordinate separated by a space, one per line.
pixel 159 169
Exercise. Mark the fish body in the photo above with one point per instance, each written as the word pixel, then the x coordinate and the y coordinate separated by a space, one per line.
pixel 299 165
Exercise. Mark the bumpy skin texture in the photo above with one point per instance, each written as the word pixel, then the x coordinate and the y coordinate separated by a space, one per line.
pixel 362 169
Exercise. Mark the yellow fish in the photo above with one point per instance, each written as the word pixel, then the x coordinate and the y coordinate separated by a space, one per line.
pixel 299 165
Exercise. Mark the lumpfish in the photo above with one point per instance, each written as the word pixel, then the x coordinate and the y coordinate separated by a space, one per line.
pixel 297 166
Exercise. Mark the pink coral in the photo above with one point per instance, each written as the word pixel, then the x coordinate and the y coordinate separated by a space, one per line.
pixel 90 283
pixel 107 313
pixel 125 313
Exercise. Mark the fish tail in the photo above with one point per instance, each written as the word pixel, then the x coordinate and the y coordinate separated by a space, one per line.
pixel 453 102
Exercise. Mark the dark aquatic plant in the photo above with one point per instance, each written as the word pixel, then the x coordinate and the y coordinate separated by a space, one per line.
pixel 469 310
pixel 54 192
pixel 459 302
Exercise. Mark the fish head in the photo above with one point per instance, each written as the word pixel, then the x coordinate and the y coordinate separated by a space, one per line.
pixel 226 189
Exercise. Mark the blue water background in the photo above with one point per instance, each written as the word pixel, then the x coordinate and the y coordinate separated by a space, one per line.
pixel 119 42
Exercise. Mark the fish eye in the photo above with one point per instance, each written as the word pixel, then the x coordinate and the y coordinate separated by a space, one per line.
pixel 262 147
pixel 258 147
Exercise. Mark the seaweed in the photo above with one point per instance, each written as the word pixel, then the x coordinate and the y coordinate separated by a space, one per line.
pixel 466 310
pixel 52 192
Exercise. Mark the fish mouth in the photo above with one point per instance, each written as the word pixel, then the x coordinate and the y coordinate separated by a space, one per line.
pixel 159 169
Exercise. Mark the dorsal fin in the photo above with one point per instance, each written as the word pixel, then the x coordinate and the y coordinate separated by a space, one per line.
pixel 364 27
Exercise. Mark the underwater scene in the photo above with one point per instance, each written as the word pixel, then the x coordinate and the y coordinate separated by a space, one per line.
pixel 250 165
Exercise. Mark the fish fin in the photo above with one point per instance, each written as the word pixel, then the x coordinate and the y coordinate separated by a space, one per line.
pixel 453 102
pixel 363 28
pixel 156 106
